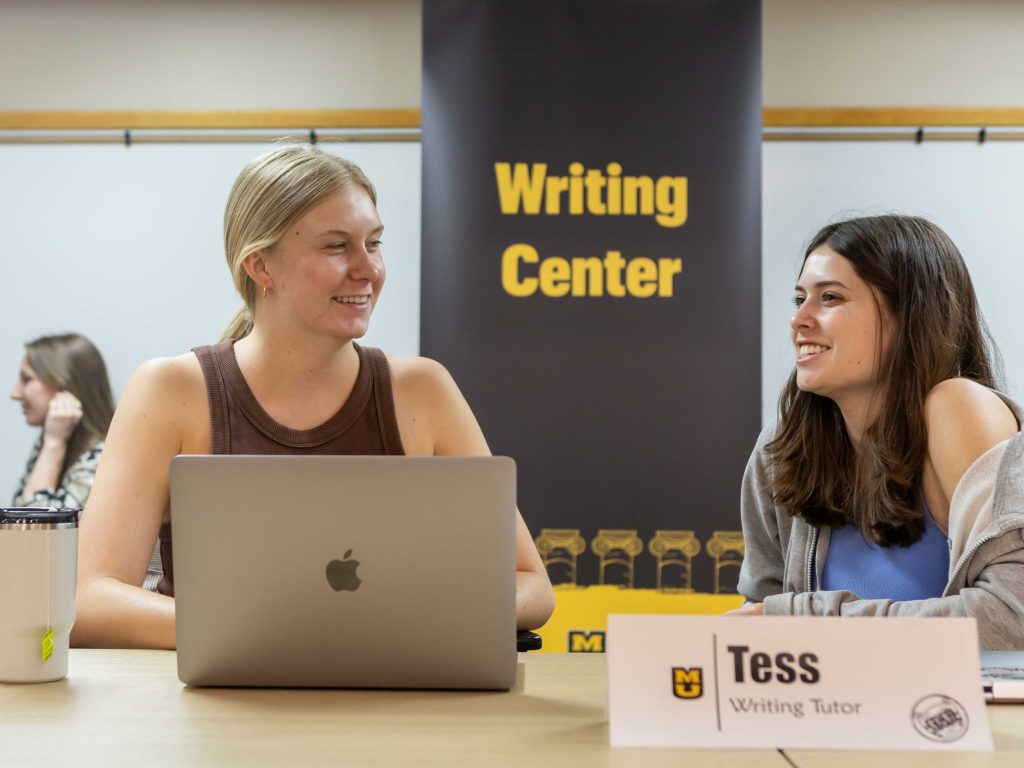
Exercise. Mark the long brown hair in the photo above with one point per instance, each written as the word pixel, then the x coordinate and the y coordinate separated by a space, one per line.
pixel 918 274
pixel 71 362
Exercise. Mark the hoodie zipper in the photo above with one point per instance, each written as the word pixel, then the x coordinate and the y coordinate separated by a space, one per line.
pixel 810 558
pixel 966 557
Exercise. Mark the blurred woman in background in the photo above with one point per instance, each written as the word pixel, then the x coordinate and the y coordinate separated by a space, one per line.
pixel 63 388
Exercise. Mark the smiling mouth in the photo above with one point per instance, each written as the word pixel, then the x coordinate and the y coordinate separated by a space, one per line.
pixel 357 300
pixel 806 350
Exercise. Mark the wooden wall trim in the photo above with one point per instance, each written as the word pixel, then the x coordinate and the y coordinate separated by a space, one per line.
pixel 891 117
pixel 774 117
pixel 212 119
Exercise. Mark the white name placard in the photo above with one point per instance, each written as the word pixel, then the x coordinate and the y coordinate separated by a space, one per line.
pixel 795 682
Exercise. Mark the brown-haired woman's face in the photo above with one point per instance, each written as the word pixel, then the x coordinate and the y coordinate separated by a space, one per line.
pixel 840 332
pixel 33 394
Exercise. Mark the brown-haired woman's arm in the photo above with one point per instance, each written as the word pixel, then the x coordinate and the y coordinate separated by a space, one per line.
pixel 964 420
pixel 987 557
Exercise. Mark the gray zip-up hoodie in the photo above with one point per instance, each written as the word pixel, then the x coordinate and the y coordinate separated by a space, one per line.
pixel 986 558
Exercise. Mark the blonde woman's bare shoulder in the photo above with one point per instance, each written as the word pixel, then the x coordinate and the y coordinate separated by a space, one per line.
pixel 421 385
pixel 418 374
pixel 163 376
pixel 170 392
pixel 433 416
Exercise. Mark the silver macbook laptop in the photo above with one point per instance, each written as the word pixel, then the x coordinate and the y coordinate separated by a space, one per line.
pixel 1002 675
pixel 345 571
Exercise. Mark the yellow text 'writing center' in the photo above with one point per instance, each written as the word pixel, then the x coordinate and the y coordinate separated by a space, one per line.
pixel 528 189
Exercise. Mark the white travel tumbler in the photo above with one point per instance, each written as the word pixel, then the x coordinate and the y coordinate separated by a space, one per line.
pixel 38 564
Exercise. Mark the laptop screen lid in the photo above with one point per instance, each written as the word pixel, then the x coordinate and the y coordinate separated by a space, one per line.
pixel 1002 675
pixel 345 571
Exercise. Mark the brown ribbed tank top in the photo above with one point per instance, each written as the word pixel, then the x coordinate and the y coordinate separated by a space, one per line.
pixel 365 424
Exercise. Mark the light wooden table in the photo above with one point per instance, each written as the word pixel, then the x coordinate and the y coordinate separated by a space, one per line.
pixel 1006 721
pixel 128 708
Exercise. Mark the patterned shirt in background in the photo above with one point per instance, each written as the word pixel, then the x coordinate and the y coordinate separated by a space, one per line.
pixel 73 492
pixel 74 485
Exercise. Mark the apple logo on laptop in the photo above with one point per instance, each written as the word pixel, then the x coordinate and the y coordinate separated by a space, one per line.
pixel 341 574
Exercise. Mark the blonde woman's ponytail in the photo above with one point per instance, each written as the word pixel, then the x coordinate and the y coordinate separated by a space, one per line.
pixel 239 327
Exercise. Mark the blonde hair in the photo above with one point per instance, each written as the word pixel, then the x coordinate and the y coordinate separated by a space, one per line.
pixel 270 194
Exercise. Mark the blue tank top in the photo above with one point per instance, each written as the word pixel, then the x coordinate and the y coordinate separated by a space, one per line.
pixel 897 573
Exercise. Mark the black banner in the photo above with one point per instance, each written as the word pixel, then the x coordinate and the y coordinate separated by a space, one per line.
pixel 591 267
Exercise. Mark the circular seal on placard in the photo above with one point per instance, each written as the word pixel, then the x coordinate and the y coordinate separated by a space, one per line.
pixel 940 718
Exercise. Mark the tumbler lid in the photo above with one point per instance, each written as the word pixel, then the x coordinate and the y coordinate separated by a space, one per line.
pixel 38 515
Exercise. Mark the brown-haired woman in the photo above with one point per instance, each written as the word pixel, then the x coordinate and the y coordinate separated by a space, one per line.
pixel 893 482
pixel 303 242
pixel 63 388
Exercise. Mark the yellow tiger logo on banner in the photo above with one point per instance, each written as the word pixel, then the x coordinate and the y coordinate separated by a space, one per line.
pixel 580 619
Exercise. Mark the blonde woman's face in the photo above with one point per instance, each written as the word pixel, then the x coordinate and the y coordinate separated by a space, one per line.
pixel 328 268
pixel 33 395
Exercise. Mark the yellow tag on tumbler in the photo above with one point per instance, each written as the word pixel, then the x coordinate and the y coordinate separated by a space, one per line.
pixel 47 643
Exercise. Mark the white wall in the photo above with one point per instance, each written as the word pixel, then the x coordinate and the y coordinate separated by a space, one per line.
pixel 209 54
pixel 893 53
pixel 267 54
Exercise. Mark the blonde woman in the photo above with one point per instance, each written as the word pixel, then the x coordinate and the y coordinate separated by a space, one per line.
pixel 303 242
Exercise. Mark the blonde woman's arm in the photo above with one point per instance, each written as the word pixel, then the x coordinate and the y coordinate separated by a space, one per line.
pixel 435 420
pixel 163 413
